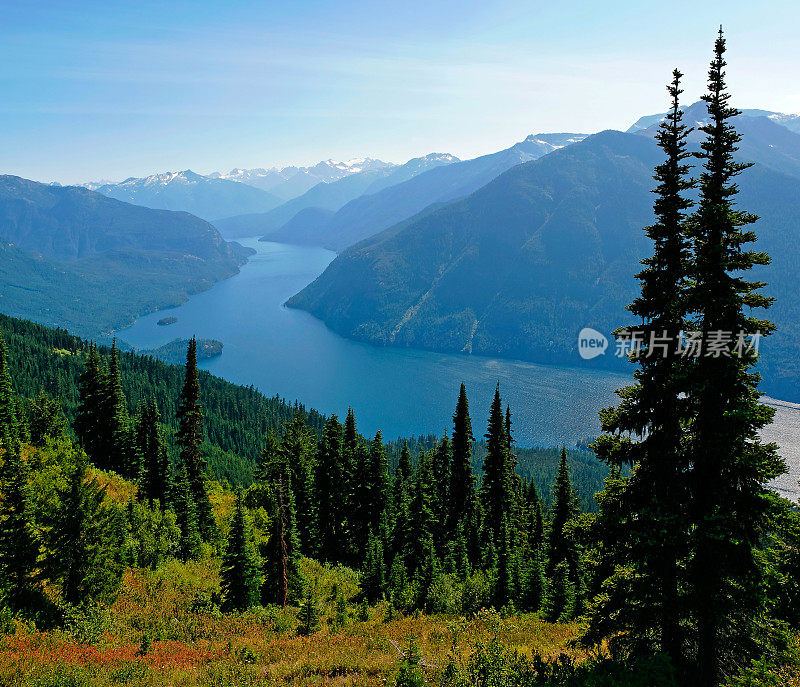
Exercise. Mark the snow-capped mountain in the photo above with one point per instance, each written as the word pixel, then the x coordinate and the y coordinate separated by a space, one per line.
pixel 696 113
pixel 191 192
pixel 290 182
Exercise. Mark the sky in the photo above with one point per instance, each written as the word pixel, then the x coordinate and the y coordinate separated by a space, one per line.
pixel 107 90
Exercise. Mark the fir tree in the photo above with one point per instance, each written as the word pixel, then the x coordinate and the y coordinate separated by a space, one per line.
pixel 186 515
pixel 462 479
pixel 374 579
pixel 496 487
pixel 653 541
pixel 328 492
pixel 89 416
pixel 282 580
pixel 240 577
pixel 155 483
pixel 731 466
pixel 564 509
pixel 271 465
pixel 297 447
pixel 189 439
pixel 19 548
pixel 378 483
pixel 84 538
pixel 560 600
pixel 8 409
pixel 309 613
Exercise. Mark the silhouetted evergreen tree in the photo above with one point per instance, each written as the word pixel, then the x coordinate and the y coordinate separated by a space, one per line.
pixel 297 447
pixel 731 466
pixel 190 439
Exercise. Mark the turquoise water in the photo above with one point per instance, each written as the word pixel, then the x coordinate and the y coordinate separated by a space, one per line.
pixel 401 392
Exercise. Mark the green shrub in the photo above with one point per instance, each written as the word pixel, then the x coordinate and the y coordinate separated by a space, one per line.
pixel 476 593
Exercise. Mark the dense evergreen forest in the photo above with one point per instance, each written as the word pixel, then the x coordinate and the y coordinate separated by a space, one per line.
pixel 687 574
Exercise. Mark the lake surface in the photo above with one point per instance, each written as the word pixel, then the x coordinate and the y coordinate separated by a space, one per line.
pixel 401 392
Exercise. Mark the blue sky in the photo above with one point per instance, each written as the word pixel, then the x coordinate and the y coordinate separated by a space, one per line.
pixel 105 90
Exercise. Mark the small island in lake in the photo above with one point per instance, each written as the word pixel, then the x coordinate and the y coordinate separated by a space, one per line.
pixel 174 352
pixel 164 321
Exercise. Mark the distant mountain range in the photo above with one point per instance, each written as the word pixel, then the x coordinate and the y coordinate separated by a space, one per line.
pixel 75 258
pixel 395 199
pixel 519 266
pixel 328 197
pixel 289 182
pixel 189 192
pixel 790 121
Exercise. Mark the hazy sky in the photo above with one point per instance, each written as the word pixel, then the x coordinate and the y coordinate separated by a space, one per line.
pixel 105 90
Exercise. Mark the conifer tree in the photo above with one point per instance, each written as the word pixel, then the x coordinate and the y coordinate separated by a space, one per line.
pixel 19 548
pixel 309 613
pixel 119 447
pixel 189 439
pixel 328 492
pixel 731 466
pixel 84 538
pixel 423 523
pixel 560 600
pixel 564 509
pixel 89 416
pixel 462 479
pixel 186 515
pixel 282 581
pixel 442 464
pixel 378 483
pixel 652 502
pixel 45 419
pixel 155 483
pixel 8 410
pixel 402 474
pixel 496 487
pixel 271 465
pixel 297 447
pixel 374 579
pixel 240 576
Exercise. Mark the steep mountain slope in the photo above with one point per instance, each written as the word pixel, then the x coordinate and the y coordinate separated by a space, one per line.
pixel 370 214
pixel 202 196
pixel 329 196
pixel 520 266
pixel 73 257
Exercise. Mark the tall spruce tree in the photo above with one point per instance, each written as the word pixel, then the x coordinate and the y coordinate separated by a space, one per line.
pixel 190 439
pixel 19 548
pixel 328 492
pixel 462 480
pixel 190 544
pixel 564 509
pixel 89 416
pixel 297 447
pixel 655 409
pixel 240 575
pixel 731 466
pixel 496 487
pixel 155 482
pixel 8 409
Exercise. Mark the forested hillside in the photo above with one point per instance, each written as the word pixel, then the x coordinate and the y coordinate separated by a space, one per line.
pixel 71 257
